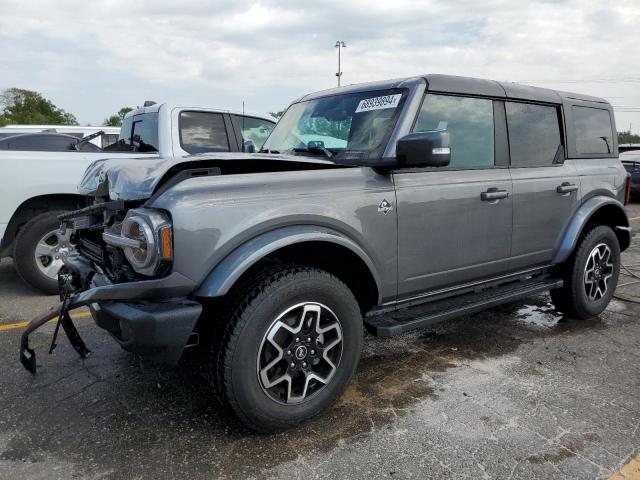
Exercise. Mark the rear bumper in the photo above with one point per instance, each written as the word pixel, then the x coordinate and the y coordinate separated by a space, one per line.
pixel 155 330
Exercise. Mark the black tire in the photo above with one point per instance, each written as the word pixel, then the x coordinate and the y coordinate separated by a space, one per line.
pixel 24 248
pixel 573 298
pixel 258 304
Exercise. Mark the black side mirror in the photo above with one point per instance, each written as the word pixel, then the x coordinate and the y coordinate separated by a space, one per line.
pixel 424 149
pixel 248 146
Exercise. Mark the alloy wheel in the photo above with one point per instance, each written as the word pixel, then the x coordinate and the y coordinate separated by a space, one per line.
pixel 597 272
pixel 300 353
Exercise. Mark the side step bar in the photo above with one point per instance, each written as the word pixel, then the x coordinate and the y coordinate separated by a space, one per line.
pixel 423 315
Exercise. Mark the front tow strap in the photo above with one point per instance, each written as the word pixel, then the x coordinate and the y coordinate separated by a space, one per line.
pixel 28 355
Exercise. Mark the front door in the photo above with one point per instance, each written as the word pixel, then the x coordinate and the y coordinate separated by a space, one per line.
pixel 454 223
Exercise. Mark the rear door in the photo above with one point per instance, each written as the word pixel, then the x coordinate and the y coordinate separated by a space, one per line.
pixel 546 189
pixel 449 230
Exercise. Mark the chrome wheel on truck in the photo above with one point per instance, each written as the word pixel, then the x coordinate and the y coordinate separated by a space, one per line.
pixel 51 250
pixel 39 250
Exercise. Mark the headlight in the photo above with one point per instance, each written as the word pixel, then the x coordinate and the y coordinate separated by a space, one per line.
pixel 144 253
pixel 146 240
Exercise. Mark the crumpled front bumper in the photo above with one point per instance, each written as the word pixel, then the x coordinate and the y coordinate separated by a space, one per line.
pixel 101 289
pixel 152 318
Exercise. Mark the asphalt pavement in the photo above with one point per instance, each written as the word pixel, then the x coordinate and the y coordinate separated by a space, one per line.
pixel 514 392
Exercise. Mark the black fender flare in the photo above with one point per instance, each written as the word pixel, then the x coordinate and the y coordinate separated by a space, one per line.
pixel 581 218
pixel 223 276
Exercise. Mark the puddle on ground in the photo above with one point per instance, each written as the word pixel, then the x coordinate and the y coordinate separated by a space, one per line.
pixel 540 313
pixel 544 315
pixel 128 414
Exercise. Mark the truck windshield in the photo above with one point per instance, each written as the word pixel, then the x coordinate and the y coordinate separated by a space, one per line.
pixel 139 133
pixel 353 127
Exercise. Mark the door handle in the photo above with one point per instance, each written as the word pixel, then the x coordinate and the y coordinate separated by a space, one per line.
pixel 493 195
pixel 566 187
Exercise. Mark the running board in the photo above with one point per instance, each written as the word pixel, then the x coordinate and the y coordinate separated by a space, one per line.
pixel 423 315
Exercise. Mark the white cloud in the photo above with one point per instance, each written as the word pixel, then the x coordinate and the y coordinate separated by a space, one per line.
pixel 93 58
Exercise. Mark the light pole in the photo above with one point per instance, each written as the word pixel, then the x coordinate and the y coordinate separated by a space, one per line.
pixel 339 45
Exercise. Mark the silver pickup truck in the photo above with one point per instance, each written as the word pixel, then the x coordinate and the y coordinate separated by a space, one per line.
pixel 387 206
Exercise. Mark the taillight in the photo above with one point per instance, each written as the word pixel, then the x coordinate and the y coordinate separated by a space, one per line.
pixel 627 193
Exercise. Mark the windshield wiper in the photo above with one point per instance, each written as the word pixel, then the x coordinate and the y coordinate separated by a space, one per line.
pixel 326 152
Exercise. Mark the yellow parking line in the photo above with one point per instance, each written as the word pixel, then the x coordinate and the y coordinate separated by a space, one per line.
pixel 635 218
pixel 631 471
pixel 15 326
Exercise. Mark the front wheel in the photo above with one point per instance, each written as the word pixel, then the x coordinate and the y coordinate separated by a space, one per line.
pixel 291 348
pixel 591 275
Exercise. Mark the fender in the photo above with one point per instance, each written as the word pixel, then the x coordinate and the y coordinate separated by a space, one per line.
pixel 580 219
pixel 226 273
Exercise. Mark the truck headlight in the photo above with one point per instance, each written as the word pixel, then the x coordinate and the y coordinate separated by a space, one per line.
pixel 146 240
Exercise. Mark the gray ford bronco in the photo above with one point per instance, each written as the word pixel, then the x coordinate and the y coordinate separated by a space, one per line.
pixel 388 206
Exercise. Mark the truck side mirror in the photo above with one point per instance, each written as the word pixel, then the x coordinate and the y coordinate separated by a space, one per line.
pixel 248 146
pixel 424 149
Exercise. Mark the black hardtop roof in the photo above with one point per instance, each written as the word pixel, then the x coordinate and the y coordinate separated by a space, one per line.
pixel 462 85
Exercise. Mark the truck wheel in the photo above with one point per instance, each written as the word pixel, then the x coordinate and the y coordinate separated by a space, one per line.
pixel 591 275
pixel 39 249
pixel 290 349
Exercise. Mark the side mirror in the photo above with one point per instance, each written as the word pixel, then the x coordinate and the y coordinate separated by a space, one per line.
pixel 248 146
pixel 424 149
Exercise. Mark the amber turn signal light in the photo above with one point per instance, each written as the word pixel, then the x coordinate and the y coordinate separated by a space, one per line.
pixel 166 243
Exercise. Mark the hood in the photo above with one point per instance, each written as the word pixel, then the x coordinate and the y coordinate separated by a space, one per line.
pixel 138 178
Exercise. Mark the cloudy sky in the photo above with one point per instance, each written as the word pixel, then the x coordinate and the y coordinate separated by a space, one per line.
pixel 91 58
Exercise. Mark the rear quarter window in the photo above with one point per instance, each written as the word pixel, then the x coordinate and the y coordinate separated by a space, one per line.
pixel 593 130
pixel 202 132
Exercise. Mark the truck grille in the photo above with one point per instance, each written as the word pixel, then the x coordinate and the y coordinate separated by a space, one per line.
pixel 93 248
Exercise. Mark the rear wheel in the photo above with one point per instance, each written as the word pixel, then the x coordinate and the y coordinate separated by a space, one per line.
pixel 291 347
pixel 591 275
pixel 39 250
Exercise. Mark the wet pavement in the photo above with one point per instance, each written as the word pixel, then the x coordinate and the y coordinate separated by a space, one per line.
pixel 515 392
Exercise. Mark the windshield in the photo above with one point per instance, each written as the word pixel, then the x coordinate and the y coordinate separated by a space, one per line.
pixel 139 133
pixel 354 126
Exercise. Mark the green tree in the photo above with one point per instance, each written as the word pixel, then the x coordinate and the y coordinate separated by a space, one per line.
pixel 26 107
pixel 277 115
pixel 628 137
pixel 116 120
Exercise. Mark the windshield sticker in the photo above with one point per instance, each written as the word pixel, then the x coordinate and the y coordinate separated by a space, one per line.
pixel 378 103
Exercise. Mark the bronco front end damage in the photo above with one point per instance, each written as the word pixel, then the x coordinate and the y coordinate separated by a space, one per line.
pixel 28 355
pixel 156 316
pixel 71 280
